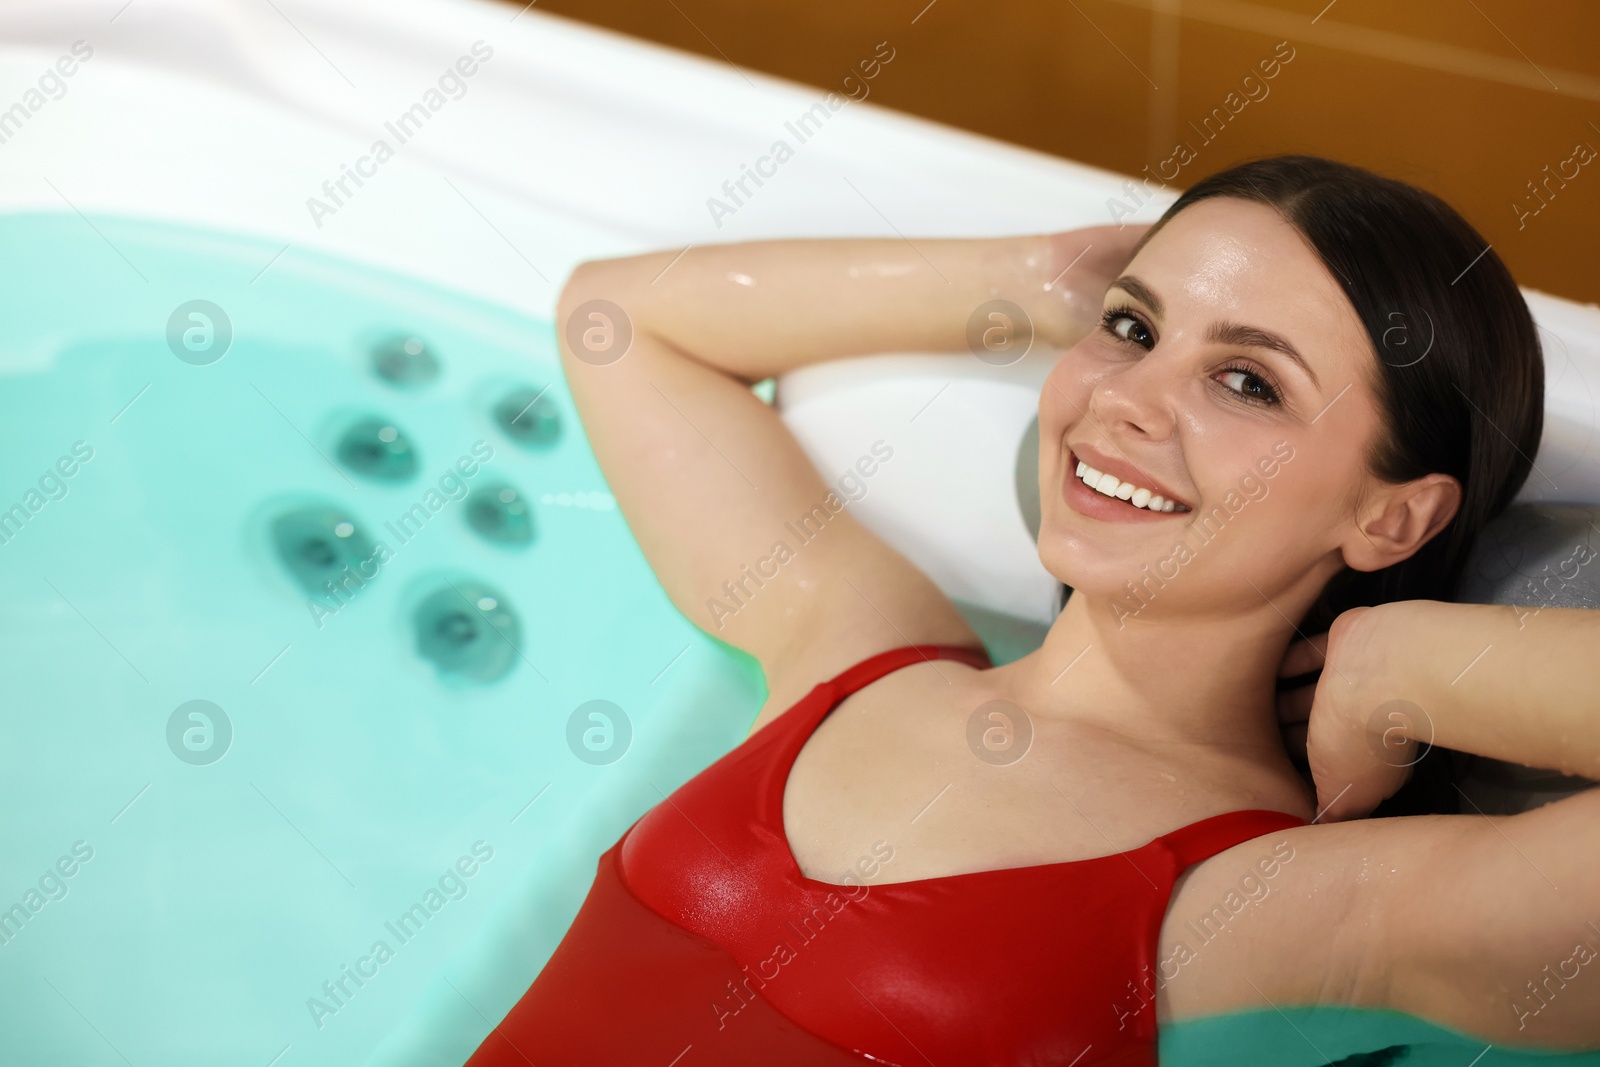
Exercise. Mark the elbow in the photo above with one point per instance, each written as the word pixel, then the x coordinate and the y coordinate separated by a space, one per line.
pixel 590 328
pixel 582 285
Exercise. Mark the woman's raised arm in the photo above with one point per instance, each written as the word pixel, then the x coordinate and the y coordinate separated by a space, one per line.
pixel 1486 923
pixel 758 309
pixel 749 541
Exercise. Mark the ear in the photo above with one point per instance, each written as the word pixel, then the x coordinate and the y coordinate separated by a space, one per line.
pixel 1399 519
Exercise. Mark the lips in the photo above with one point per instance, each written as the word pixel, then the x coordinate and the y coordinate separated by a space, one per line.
pixel 1122 486
pixel 1125 479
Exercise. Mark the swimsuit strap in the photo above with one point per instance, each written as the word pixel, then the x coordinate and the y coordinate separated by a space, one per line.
pixel 874 667
pixel 808 714
pixel 1204 839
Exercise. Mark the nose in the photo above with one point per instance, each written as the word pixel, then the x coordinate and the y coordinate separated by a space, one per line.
pixel 1138 399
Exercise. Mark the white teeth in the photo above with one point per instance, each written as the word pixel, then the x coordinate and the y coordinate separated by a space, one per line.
pixel 1110 485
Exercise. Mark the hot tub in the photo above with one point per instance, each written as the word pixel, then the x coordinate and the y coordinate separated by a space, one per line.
pixel 276 796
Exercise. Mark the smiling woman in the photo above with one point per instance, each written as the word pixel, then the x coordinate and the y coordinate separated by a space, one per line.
pixel 1035 900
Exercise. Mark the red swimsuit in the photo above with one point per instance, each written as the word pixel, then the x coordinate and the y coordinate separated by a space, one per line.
pixel 701 942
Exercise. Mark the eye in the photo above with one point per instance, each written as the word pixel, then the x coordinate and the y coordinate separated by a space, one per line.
pixel 1249 385
pixel 1124 325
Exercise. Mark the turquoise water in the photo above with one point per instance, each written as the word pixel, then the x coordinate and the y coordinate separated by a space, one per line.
pixel 1311 1037
pixel 254 819
pixel 216 898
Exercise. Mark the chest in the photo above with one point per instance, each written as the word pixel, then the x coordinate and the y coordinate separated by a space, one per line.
pixel 952 782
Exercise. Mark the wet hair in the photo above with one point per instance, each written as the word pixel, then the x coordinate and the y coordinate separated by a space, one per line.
pixel 1458 369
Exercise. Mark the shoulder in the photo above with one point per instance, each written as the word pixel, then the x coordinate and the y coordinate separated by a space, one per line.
pixel 1252 923
pixel 832 644
pixel 1477 923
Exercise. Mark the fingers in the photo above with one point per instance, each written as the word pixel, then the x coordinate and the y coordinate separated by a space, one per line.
pixel 1350 788
pixel 1305 656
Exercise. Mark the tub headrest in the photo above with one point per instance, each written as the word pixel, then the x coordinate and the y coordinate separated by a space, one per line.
pixel 1537 555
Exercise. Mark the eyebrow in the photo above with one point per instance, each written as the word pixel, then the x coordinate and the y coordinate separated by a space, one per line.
pixel 1140 292
pixel 1228 333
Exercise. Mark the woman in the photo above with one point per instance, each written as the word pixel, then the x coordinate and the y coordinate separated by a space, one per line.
pixel 1303 391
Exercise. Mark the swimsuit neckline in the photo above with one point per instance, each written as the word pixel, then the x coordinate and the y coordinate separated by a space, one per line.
pixel 963 653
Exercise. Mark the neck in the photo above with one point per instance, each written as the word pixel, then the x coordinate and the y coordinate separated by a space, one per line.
pixel 1198 681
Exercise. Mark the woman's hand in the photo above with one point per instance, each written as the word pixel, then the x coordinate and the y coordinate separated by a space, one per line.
pixel 1303 662
pixel 1357 734
pixel 1083 264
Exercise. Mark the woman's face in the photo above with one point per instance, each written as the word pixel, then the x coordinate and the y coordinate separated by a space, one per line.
pixel 1232 377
